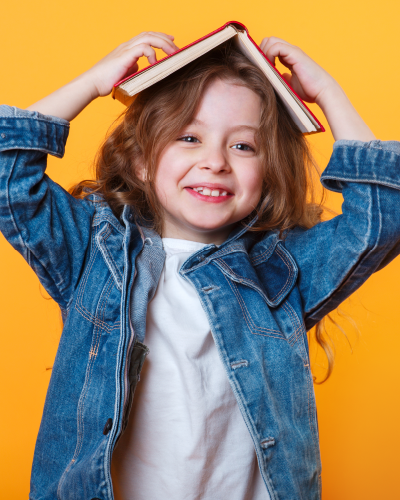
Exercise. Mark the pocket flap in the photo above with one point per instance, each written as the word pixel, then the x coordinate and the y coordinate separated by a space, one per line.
pixel 278 274
pixel 272 277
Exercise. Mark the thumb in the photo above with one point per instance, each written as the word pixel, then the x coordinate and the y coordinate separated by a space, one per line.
pixel 287 77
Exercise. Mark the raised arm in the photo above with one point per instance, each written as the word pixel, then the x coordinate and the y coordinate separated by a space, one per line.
pixel 337 256
pixel 68 101
pixel 49 227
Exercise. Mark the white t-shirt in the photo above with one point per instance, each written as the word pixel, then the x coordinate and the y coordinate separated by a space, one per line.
pixel 186 438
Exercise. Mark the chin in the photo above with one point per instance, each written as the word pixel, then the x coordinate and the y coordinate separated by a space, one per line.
pixel 210 227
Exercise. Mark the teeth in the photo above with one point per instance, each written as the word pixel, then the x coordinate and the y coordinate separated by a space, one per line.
pixel 208 192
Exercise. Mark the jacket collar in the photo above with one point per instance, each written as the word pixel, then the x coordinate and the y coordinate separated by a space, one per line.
pixel 130 217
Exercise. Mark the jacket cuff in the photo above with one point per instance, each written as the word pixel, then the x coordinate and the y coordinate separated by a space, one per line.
pixel 374 162
pixel 30 130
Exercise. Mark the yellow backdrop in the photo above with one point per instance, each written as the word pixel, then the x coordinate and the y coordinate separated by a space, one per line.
pixel 44 44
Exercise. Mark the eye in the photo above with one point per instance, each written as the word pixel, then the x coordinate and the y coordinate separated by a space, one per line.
pixel 242 146
pixel 188 138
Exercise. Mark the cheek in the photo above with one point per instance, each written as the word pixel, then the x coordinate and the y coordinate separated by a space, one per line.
pixel 172 167
pixel 164 173
pixel 253 184
pixel 169 172
pixel 162 190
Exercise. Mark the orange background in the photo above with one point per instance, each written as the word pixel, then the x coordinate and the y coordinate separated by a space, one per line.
pixel 44 44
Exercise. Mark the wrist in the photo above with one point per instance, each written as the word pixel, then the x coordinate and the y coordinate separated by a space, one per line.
pixel 344 120
pixel 85 85
pixel 331 95
pixel 68 101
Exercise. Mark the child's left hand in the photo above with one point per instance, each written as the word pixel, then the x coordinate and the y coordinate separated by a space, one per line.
pixel 313 84
pixel 307 78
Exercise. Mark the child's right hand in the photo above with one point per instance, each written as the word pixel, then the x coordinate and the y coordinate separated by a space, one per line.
pixel 68 101
pixel 122 61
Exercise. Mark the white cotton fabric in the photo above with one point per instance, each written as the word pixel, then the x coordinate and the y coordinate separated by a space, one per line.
pixel 186 438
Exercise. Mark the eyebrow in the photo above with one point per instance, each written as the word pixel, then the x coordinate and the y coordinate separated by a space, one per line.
pixel 238 128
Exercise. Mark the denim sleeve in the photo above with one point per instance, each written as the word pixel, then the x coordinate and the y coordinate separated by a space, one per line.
pixel 337 256
pixel 41 220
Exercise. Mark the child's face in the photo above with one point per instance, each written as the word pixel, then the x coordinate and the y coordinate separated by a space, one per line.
pixel 216 152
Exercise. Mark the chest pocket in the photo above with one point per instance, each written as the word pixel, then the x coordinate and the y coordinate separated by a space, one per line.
pixel 99 293
pixel 261 286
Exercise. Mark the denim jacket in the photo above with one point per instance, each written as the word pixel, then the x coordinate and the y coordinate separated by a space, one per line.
pixel 261 293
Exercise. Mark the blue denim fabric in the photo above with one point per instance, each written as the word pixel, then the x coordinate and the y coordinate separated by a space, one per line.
pixel 260 293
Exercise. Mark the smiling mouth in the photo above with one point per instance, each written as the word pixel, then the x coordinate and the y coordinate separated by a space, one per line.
pixel 209 195
pixel 210 192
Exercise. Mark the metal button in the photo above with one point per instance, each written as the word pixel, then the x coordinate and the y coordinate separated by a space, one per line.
pixel 107 427
pixel 3 136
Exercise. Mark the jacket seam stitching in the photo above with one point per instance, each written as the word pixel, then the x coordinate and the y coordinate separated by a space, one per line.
pixel 99 218
pixel 10 208
pixel 295 321
pixel 253 327
pixel 81 405
pixel 281 292
pixel 79 305
pixel 262 257
pixel 311 417
pixel 250 324
pixel 361 180
pixel 36 118
pixel 215 257
pixel 290 268
pixel 240 278
pixel 119 284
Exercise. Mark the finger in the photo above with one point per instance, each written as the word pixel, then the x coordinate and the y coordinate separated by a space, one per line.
pixel 163 34
pixel 160 41
pixel 287 77
pixel 288 54
pixel 167 38
pixel 263 47
pixel 143 49
pixel 268 42
pixel 131 70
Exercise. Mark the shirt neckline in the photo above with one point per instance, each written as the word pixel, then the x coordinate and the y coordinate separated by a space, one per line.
pixel 177 245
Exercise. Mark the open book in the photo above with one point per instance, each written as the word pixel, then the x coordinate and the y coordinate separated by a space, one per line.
pixel 126 89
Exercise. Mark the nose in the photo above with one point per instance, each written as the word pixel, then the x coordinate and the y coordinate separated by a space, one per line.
pixel 215 160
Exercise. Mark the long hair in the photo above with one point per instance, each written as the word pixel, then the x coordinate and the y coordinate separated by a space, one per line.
pixel 157 116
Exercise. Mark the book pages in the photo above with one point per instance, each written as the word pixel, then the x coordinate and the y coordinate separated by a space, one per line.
pixel 155 73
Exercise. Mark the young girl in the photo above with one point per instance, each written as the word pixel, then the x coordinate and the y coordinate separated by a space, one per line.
pixel 198 242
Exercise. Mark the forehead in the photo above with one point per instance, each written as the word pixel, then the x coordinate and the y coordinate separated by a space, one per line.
pixel 225 103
